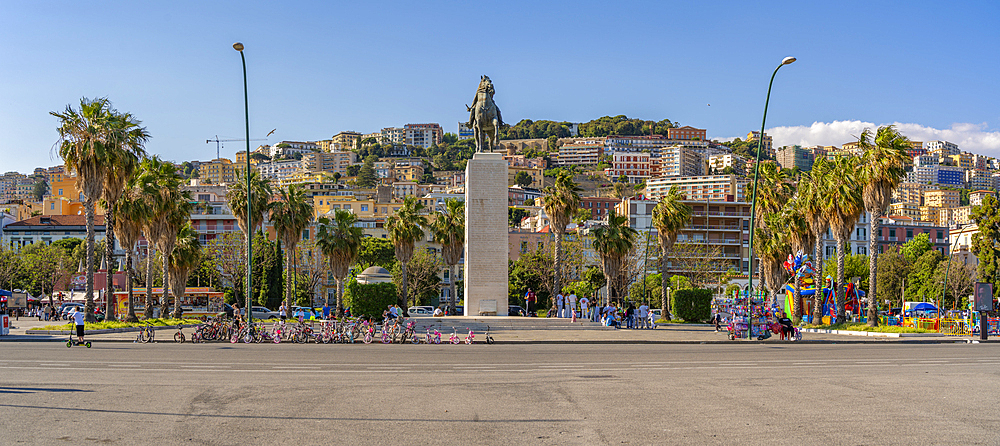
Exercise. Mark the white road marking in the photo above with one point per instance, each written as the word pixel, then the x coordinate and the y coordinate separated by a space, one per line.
pixel 205 366
pixel 123 365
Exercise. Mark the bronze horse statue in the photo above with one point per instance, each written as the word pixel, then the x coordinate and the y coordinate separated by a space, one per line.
pixel 484 117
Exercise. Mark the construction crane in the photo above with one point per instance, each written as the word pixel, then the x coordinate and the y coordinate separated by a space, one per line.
pixel 218 143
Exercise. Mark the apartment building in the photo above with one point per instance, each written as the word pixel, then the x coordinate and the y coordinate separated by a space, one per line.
pixel 634 166
pixel 516 195
pixel 647 143
pixel 279 170
pixel 423 135
pixel 768 143
pixel 941 148
pixel 65 198
pixel 465 132
pixel 696 188
pixel 897 231
pixel 49 228
pixel 942 198
pixel 345 141
pixel 906 209
pixel 976 197
pixel 680 161
pixel 211 217
pixel 329 162
pixel 728 160
pixel 394 136
pixel 580 154
pixel 791 157
pixel 911 192
pixel 324 204
pixel 291 148
pixel 978 179
pixel 965 160
pixel 218 171
pixel 598 206
pixel 686 133
pixel 537 175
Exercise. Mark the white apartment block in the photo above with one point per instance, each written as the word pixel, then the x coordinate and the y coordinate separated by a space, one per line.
pixel 330 162
pixel 722 161
pixel 926 160
pixel 423 135
pixel 394 135
pixel 279 170
pixel 942 148
pixel 977 179
pixel 293 147
pixel 695 188
pixel 586 153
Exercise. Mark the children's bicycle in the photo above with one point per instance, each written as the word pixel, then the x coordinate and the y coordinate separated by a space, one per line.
pixel 454 338
pixel 470 338
pixel 433 338
pixel 145 334
pixel 179 336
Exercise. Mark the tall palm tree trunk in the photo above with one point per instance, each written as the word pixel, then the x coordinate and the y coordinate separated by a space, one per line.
pixel 873 226
pixel 838 297
pixel 111 306
pixel 290 254
pixel 818 297
pixel 797 300
pixel 557 267
pixel 664 284
pixel 340 297
pixel 149 280
pixel 165 303
pixel 128 283
pixel 402 301
pixel 88 210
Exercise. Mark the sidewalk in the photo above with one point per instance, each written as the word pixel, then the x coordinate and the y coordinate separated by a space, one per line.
pixel 534 331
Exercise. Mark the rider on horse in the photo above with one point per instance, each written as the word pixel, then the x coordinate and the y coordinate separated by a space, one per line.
pixel 485 86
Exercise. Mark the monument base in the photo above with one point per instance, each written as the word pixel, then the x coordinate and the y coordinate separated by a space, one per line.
pixel 486 242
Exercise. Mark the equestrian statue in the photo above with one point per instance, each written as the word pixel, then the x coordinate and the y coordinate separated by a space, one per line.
pixel 484 117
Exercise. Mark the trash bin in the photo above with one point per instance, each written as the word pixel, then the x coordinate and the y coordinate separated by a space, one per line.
pixel 4 324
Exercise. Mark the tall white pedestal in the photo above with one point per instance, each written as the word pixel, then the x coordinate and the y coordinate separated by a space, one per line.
pixel 486 235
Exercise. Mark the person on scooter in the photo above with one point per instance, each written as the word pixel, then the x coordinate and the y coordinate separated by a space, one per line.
pixel 79 317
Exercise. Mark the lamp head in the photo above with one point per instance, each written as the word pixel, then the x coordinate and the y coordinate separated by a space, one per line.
pixel 239 47
pixel 787 60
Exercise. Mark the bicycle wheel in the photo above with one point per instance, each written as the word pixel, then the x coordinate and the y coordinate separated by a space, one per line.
pixel 179 338
pixel 489 340
pixel 404 338
pixel 368 338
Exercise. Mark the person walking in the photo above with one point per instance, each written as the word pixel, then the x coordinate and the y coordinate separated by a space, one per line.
pixel 643 315
pixel 283 312
pixel 529 301
pixel 584 307
pixel 559 304
pixel 571 305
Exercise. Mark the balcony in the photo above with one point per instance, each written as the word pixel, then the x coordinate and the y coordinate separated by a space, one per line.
pixel 719 214
pixel 715 227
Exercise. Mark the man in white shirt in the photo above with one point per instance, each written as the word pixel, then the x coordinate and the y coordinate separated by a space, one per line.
pixel 643 315
pixel 570 305
pixel 559 305
pixel 79 317
pixel 584 303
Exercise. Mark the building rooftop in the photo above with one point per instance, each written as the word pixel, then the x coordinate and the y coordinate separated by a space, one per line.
pixel 58 220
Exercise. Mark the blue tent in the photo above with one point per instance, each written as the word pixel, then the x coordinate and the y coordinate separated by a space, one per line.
pixel 924 306
pixel 5 293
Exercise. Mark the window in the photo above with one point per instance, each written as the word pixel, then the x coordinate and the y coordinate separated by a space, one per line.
pixel 364 208
pixel 909 234
pixel 892 233
pixel 60 193
pixel 940 235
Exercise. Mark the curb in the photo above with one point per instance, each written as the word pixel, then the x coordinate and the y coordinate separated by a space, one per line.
pixel 872 340
pixel 873 333
pixel 104 330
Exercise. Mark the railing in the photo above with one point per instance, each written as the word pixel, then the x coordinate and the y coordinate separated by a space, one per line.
pixel 718 227
pixel 719 214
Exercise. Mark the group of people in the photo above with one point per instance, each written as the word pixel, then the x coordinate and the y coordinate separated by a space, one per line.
pixel 43 313
pixel 630 317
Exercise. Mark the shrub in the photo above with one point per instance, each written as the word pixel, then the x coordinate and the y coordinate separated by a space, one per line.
pixel 369 300
pixel 692 305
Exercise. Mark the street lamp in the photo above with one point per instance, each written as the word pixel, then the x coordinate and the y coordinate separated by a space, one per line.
pixel 246 114
pixel 756 171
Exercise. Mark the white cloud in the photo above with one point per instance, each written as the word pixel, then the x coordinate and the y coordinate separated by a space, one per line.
pixel 975 138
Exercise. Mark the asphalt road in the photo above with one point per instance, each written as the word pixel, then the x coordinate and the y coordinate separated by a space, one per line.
pixel 234 394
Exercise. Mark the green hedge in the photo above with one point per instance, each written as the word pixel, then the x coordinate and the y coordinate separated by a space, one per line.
pixel 692 305
pixel 369 300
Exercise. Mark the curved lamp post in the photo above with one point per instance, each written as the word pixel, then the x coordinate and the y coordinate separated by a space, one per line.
pixel 246 114
pixel 756 171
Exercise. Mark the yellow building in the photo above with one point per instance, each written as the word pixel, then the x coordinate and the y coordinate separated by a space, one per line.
pixel 220 171
pixel 408 173
pixel 942 198
pixel 906 209
pixel 345 140
pixel 910 192
pixel 537 175
pixel 65 198
pixel 964 160
pixel 323 204
pixel 929 214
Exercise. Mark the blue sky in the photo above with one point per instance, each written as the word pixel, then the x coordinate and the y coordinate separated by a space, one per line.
pixel 317 68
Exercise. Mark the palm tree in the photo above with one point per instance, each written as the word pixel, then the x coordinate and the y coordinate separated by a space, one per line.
pixel 84 137
pixel 340 241
pixel 291 215
pixel 846 206
pixel 185 257
pixel 404 230
pixel 773 191
pixel 613 242
pixel 883 167
pixel 560 202
pixel 125 149
pixel 813 189
pixel 772 247
pixel 448 229
pixel 236 196
pixel 170 208
pixel 669 216
pixel 132 213
pixel 799 237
